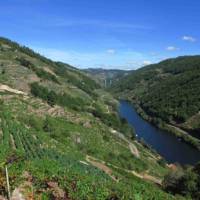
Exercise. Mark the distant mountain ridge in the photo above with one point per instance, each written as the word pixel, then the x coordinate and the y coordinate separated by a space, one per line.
pixel 106 77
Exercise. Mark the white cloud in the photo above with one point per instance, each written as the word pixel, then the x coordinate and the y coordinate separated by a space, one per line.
pixel 111 51
pixel 189 38
pixel 135 64
pixel 172 48
pixel 147 62
pixel 153 53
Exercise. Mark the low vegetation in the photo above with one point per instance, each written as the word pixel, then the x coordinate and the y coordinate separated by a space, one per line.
pixel 184 181
pixel 53 98
pixel 61 119
pixel 40 72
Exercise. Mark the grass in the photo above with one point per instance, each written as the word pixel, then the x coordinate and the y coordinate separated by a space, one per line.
pixel 59 141
pixel 48 141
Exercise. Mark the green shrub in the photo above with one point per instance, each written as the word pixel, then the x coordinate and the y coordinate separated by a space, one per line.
pixel 53 98
pixel 185 182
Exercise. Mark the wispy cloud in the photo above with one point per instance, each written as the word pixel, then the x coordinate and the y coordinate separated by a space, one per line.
pixel 153 53
pixel 172 48
pixel 189 38
pixel 147 62
pixel 111 51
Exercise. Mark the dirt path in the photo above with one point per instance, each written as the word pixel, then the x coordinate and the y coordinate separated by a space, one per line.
pixel 12 142
pixel 177 129
pixel 107 108
pixel 144 175
pixel 134 150
pixel 151 155
pixel 4 88
pixel 132 147
pixel 152 179
pixel 101 165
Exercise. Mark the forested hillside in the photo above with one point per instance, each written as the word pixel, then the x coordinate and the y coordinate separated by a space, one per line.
pixel 167 92
pixel 61 137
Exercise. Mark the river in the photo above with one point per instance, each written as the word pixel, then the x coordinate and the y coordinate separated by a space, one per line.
pixel 166 144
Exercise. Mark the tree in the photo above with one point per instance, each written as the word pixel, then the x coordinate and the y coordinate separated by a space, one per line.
pixel 172 180
pixel 188 183
pixel 185 182
pixel 3 71
pixel 197 168
pixel 51 98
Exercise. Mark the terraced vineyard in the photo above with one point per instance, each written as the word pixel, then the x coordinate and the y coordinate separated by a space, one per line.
pixel 61 136
pixel 17 139
pixel 48 158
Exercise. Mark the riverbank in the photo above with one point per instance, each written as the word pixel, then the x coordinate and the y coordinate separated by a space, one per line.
pixel 179 133
pixel 167 145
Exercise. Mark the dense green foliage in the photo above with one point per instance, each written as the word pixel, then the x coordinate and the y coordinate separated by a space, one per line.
pixel 168 92
pixel 185 182
pixel 113 120
pixel 53 98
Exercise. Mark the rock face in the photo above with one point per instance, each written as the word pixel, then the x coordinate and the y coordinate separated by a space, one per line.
pixel 57 192
pixel 2 198
pixel 87 124
pixel 17 195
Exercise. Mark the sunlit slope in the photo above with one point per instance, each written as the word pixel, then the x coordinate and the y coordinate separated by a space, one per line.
pixel 61 137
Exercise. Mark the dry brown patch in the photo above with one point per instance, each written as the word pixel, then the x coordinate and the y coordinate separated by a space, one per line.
pixel 172 167
pixel 12 142
pixel 49 71
pixel 101 166
pixel 6 88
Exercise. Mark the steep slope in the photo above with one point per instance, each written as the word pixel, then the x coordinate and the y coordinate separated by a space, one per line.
pixel 169 93
pixel 61 137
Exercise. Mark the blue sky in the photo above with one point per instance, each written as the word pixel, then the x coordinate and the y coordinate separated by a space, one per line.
pixel 104 33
